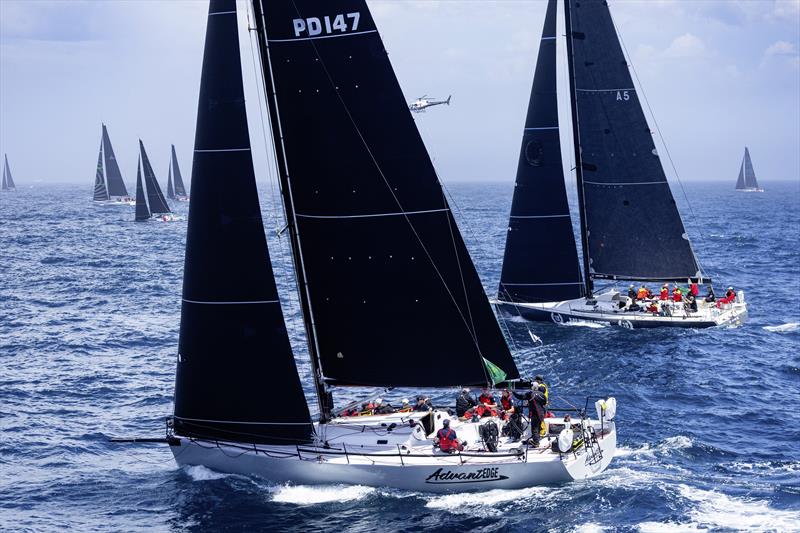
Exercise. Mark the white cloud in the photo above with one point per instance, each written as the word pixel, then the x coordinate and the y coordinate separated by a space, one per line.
pixel 781 48
pixel 687 45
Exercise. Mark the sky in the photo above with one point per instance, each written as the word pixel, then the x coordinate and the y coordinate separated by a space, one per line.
pixel 718 75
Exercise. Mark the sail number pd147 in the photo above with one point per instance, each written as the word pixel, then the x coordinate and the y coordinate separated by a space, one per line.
pixel 314 26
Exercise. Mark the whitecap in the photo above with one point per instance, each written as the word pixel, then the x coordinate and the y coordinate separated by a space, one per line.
pixel 585 324
pixel 201 473
pixel 485 503
pixel 716 510
pixel 311 495
pixel 784 328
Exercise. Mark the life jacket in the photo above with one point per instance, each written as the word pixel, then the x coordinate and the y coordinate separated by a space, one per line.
pixel 653 308
pixel 695 289
pixel 447 439
pixel 664 293
pixel 486 399
pixel 677 295
pixel 506 402
pixel 642 294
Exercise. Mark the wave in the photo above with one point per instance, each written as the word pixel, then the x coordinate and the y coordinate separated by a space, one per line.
pixel 308 495
pixel 486 503
pixel 201 473
pixel 717 510
pixel 678 442
pixel 585 324
pixel 784 328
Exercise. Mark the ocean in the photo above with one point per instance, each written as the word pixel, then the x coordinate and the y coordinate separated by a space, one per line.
pixel 708 420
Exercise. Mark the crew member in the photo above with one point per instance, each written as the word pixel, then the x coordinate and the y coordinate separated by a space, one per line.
pixel 730 294
pixel 506 401
pixel 382 408
pixel 653 307
pixel 643 294
pixel 677 294
pixel 691 302
pixel 464 402
pixel 535 399
pixel 447 439
pixel 664 292
pixel 694 288
pixel 710 297
pixel 540 381
pixel 423 404
pixel 405 407
pixel 631 293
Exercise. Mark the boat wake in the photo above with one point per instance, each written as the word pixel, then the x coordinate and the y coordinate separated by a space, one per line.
pixel 310 495
pixel 585 324
pixel 784 328
pixel 488 503
pixel 201 473
pixel 678 442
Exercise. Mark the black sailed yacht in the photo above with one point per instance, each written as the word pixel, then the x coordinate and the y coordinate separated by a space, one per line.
pixel 109 187
pixel 175 188
pixel 150 202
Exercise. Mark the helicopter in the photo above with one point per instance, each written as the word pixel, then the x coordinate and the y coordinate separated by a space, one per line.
pixel 421 103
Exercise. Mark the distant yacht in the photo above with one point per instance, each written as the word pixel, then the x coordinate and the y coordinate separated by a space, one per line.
pixel 150 202
pixel 747 177
pixel 630 227
pixel 176 191
pixel 109 188
pixel 8 181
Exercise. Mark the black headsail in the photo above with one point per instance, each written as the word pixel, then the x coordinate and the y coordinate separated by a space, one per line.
pixel 116 186
pixel 749 173
pixel 170 190
pixel 100 192
pixel 540 262
pixel 8 181
pixel 180 189
pixel 632 225
pixel 142 211
pixel 155 198
pixel 234 354
pixel 390 294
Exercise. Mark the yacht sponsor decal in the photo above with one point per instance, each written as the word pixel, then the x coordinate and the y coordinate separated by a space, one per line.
pixel 448 476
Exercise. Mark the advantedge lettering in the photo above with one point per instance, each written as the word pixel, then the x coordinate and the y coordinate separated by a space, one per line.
pixel 448 476
pixel 311 26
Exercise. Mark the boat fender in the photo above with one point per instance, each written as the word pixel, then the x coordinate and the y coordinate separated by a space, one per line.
pixel 565 440
pixel 611 408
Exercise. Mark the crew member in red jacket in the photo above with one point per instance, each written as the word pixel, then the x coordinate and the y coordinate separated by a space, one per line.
pixel 447 439
pixel 664 292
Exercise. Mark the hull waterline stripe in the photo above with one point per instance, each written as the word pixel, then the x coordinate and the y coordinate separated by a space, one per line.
pixel 322 37
pixel 605 90
pixel 626 183
pixel 231 303
pixel 225 150
pixel 241 422
pixel 399 213
pixel 542 284
pixel 540 216
pixel 540 129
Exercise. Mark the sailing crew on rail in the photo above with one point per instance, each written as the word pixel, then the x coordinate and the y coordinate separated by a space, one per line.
pixel 653 307
pixel 423 404
pixel 464 402
pixel 643 293
pixel 664 292
pixel 631 293
pixel 447 439
pixel 677 294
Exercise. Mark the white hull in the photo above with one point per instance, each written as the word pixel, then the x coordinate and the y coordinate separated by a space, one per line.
pixel 751 189
pixel 605 308
pixel 407 461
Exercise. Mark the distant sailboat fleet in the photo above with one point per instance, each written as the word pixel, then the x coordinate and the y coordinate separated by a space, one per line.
pixel 630 227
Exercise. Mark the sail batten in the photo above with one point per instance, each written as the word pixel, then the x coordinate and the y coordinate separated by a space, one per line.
pixel 114 182
pixel 540 261
pixel 632 226
pixel 234 357
pixel 397 286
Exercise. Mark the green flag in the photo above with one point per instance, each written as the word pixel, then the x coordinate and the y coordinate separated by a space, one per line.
pixel 495 372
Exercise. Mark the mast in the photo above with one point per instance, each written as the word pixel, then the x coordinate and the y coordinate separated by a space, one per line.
pixel 576 142
pixel 324 396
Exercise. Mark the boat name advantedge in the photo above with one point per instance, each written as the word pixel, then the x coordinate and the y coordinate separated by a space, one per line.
pixel 314 26
pixel 447 476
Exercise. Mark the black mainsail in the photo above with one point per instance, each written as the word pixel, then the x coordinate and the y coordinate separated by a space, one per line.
pixel 100 191
pixel 8 181
pixel 747 176
pixel 630 221
pixel 142 211
pixel 382 269
pixel 180 189
pixel 155 198
pixel 540 262
pixel 170 189
pixel 234 354
pixel 115 184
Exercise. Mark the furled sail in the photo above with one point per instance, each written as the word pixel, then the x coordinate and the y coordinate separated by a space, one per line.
pixel 170 190
pixel 8 181
pixel 180 189
pixel 116 186
pixel 540 262
pixel 234 354
pixel 390 293
pixel 142 211
pixel 100 192
pixel 633 227
pixel 749 174
pixel 155 198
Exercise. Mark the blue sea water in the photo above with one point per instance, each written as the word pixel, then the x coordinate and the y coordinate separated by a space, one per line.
pixel 709 420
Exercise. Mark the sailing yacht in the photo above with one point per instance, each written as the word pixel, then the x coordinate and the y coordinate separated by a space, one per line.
pixel 388 292
pixel 109 188
pixel 150 202
pixel 177 191
pixel 747 177
pixel 8 181
pixel 630 227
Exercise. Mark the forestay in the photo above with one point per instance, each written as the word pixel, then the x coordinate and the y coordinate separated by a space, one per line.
pixel 234 359
pixel 540 257
pixel 633 227
pixel 393 298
